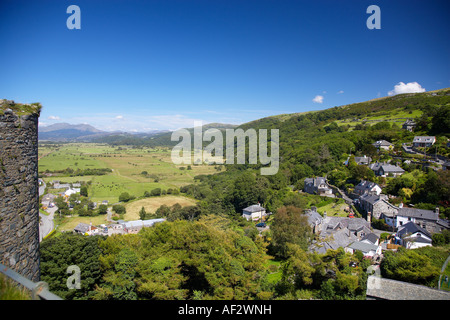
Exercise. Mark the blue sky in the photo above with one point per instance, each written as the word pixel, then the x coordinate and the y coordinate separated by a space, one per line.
pixel 145 65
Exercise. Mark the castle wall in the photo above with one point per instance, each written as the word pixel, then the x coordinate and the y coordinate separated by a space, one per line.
pixel 19 193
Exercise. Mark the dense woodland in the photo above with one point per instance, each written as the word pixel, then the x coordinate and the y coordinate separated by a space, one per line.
pixel 209 251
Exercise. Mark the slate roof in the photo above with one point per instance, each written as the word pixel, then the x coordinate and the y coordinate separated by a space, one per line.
pixel 391 168
pixel 364 185
pixel 371 237
pixel 410 228
pixel 424 139
pixel 254 208
pixel 363 246
pixel 363 160
pixel 382 143
pixel 82 228
pixel 418 213
pixel 387 289
pixel 313 217
pixel 369 198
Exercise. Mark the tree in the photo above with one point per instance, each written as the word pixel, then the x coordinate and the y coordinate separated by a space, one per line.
pixel 58 253
pixel 290 226
pixel 183 260
pixel 102 209
pixel 119 209
pixel 125 197
pixel 142 213
pixel 84 191
pixel 409 266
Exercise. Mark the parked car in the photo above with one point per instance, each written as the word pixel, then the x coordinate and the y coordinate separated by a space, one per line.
pixel 261 225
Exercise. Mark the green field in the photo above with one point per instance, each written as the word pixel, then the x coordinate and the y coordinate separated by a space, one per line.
pixel 396 116
pixel 127 166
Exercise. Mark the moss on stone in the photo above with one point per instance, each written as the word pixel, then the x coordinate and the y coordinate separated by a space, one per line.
pixel 19 108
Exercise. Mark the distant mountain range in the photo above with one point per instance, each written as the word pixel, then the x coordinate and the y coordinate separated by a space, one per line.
pixel 65 132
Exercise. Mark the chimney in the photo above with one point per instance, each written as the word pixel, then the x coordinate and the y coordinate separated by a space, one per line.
pixel 369 217
pixel 400 205
pixel 324 214
pixel 437 211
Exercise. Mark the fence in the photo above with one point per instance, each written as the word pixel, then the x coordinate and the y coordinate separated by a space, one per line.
pixel 39 290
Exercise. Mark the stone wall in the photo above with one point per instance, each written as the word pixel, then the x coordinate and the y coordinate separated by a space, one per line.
pixel 19 192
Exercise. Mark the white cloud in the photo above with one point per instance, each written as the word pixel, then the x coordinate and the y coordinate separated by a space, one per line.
pixel 54 118
pixel 318 99
pixel 340 91
pixel 409 87
pixel 119 117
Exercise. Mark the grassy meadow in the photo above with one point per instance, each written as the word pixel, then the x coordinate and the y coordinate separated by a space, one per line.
pixel 153 203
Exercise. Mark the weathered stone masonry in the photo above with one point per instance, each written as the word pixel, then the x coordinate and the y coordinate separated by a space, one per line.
pixel 19 189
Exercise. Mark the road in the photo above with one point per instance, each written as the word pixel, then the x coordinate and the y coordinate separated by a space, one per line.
pixel 46 224
pixel 42 187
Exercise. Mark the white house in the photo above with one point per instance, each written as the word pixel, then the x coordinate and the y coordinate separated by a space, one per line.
pixel 254 212
pixel 69 191
pixel 413 236
pixel 368 249
pixel 86 229
pixel 367 187
pixel 136 225
pixel 383 144
pixel 424 141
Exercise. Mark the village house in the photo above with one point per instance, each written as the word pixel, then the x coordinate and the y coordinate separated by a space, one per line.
pixel 317 186
pixel 367 187
pixel 314 219
pixel 337 232
pixel 86 229
pixel 427 219
pixel 364 160
pixel 377 206
pixel 423 141
pixel 385 169
pixel 413 236
pixel 135 226
pixel 383 145
pixel 367 249
pixel 254 212
pixel 409 125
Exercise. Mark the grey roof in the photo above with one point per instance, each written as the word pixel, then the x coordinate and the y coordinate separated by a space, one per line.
pixel 141 223
pixel 409 122
pixel 363 159
pixel 411 228
pixel 82 227
pixel 313 217
pixel 363 246
pixel 424 139
pixel 254 208
pixel 418 213
pixel 382 143
pixel 372 237
pixel 369 198
pixel 315 181
pixel 386 167
pixel 364 185
pixel 391 168
pixel 387 289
